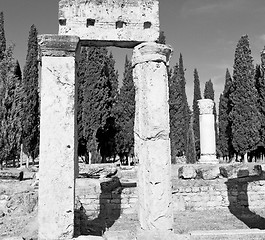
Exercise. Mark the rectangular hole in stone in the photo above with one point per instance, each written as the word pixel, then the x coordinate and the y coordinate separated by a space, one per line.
pixel 90 22
pixel 120 24
pixel 62 22
pixel 147 25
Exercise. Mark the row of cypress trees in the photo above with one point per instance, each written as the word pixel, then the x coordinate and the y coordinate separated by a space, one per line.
pixel 19 100
pixel 241 107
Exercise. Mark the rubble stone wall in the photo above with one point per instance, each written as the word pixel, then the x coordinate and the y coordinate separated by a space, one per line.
pixel 187 194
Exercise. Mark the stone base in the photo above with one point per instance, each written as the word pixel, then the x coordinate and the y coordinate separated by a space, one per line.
pixel 208 159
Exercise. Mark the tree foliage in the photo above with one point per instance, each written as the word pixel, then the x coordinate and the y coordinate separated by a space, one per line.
pixel 125 114
pixel 2 37
pixel 178 111
pixel 30 98
pixel 191 150
pixel 260 86
pixel 196 111
pixel 244 114
pixel 99 81
pixel 225 137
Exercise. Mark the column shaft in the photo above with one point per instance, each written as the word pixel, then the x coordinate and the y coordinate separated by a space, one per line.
pixel 58 148
pixel 207 132
pixel 152 143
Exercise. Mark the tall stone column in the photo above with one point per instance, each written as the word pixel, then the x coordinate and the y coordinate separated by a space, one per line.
pixel 58 146
pixel 207 132
pixel 151 133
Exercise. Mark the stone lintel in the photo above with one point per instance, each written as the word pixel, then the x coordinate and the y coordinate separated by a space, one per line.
pixel 58 45
pixel 151 51
pixel 206 106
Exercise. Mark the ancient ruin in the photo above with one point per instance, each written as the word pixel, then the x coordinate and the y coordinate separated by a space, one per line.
pixel 207 132
pixel 103 23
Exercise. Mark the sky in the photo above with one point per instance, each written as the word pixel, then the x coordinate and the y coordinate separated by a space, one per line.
pixel 206 32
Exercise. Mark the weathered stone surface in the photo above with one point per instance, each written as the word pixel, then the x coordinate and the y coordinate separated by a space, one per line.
pixel 208 173
pixel 14 174
pixel 207 132
pixel 58 45
pixel 99 171
pixel 187 172
pixel 107 22
pixel 152 144
pixel 58 147
pixel 240 170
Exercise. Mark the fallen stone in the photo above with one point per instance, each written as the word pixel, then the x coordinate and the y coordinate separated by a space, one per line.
pixel 187 172
pixel 208 172
pixel 240 170
pixel 11 174
pixel 99 171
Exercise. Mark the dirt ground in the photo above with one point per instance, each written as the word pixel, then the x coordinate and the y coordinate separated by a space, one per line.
pixel 21 217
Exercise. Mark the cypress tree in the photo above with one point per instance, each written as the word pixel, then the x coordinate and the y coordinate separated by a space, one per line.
pixel 185 105
pixel 225 131
pixel 244 114
pixel 125 114
pixel 81 80
pixel 98 100
pixel 191 150
pixel 162 38
pixel 9 137
pixel 260 86
pixel 178 111
pixel 2 37
pixel 196 111
pixel 30 98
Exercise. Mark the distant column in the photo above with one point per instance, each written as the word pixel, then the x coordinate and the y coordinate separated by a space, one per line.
pixel 151 134
pixel 58 146
pixel 207 132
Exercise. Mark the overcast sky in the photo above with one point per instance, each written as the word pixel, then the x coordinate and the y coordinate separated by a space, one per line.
pixel 204 31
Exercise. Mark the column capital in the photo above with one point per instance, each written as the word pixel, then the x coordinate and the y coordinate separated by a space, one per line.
pixel 206 106
pixel 55 45
pixel 151 51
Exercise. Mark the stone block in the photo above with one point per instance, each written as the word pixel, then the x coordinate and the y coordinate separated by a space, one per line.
pixel 187 172
pixel 240 170
pixel 110 23
pixel 208 172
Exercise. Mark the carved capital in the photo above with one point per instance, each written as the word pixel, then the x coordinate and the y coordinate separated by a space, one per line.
pixel 151 52
pixel 206 106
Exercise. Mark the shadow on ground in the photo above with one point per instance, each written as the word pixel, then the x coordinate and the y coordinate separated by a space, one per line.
pixel 237 189
pixel 109 212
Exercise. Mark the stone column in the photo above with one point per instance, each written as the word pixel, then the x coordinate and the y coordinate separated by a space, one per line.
pixel 207 132
pixel 58 146
pixel 151 134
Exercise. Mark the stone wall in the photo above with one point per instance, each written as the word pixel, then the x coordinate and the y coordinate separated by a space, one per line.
pixel 188 194
pixel 120 23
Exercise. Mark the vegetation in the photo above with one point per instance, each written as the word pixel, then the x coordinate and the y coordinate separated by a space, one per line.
pixel 105 113
pixel 125 114
pixel 196 111
pixel 224 141
pixel 178 111
pixel 30 98
pixel 244 115
pixel 98 89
